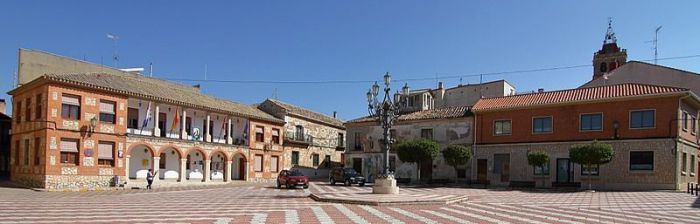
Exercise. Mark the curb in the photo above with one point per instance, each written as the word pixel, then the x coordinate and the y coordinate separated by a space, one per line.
pixel 384 203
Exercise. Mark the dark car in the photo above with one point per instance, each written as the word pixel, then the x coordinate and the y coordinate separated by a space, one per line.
pixel 291 179
pixel 346 175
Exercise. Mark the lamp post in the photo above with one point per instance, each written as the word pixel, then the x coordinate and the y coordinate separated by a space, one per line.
pixel 386 112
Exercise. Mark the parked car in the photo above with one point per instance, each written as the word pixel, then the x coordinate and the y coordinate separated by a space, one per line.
pixel 348 176
pixel 292 178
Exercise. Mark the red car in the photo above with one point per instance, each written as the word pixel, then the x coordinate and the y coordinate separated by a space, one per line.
pixel 292 178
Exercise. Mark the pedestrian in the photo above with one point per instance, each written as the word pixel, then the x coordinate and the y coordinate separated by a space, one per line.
pixel 149 178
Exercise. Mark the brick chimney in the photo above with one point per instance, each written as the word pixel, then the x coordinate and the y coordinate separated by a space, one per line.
pixel 2 106
pixel 335 113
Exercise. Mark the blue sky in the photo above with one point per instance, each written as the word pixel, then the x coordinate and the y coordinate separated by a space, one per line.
pixel 347 40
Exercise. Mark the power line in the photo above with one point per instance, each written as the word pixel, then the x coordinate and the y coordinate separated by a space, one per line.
pixel 426 77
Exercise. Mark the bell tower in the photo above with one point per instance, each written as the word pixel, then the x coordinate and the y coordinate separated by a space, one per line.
pixel 610 56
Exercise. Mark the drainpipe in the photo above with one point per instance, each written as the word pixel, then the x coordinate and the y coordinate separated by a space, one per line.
pixel 474 165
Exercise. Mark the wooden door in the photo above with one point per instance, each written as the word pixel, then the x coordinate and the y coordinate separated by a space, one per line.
pixel 426 171
pixel 481 167
pixel 241 169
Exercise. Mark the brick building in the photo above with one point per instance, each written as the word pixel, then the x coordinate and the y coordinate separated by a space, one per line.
pixel 313 142
pixel 651 128
pixel 80 130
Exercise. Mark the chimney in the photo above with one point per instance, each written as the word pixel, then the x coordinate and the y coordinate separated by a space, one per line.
pixel 540 90
pixel 2 106
pixel 439 85
pixel 335 113
pixel 198 86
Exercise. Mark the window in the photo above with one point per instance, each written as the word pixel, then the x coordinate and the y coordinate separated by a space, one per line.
pixel 684 166
pixel 685 121
pixel 28 109
pixel 642 119
pixel 591 122
pixel 274 163
pixel 105 154
pixel 26 152
pixel 107 111
pixel 132 117
pixel 163 161
pixel 299 133
pixel 642 160
pixel 295 158
pixel 37 151
pixel 276 136
pixel 502 127
pixel 258 163
pixel 542 125
pixel 38 105
pixel 692 164
pixel 259 134
pixel 594 170
pixel 69 151
pixel 426 133
pixel 18 113
pixel 358 141
pixel 341 140
pixel 693 122
pixel 188 125
pixel 316 160
pixel 70 107
pixel 163 124
pixel 542 170
pixel 327 161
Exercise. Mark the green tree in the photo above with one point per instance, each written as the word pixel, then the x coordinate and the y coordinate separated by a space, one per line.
pixel 595 153
pixel 417 151
pixel 457 155
pixel 536 159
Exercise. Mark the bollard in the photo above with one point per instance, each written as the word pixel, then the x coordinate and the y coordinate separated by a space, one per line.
pixel 696 189
pixel 690 186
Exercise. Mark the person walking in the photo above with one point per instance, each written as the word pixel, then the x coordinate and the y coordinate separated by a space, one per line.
pixel 149 178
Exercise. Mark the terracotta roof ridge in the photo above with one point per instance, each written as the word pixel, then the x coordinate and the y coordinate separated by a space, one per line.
pixel 587 88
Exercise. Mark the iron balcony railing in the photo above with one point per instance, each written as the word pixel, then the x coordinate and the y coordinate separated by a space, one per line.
pixel 299 137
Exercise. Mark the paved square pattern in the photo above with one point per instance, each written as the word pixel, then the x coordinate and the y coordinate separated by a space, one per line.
pixel 265 204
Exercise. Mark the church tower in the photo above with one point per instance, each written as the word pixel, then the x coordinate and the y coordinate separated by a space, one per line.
pixel 610 56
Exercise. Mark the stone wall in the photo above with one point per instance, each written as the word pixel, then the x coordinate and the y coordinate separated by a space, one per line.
pixel 325 142
pixel 80 182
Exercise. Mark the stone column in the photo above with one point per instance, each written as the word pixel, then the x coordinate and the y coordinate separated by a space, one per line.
pixel 126 166
pixel 227 171
pixel 229 138
pixel 156 167
pixel 183 170
pixel 207 135
pixel 183 122
pixel 207 170
pixel 156 130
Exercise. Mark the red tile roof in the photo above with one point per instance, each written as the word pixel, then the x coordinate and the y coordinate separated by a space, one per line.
pixel 439 113
pixel 572 95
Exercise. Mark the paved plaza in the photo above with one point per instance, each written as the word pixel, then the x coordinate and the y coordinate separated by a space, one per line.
pixel 254 203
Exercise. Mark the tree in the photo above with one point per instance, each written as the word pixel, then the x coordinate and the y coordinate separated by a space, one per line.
pixel 417 151
pixel 457 155
pixel 595 153
pixel 538 159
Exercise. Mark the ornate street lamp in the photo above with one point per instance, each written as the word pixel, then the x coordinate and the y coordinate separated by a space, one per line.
pixel 386 112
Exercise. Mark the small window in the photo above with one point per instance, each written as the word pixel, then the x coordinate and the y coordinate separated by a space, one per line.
pixel 642 160
pixel 259 134
pixel 426 133
pixel 685 121
pixel 603 67
pixel 692 164
pixel 132 118
pixel 105 154
pixel 107 111
pixel 591 122
pixel 70 107
pixel 258 163
pixel 18 113
pixel 26 152
pixel 542 170
pixel 502 127
pixel 642 119
pixel 69 151
pixel 274 163
pixel 684 163
pixel 358 141
pixel 38 105
pixel 341 139
pixel 295 158
pixel 316 160
pixel 542 125
pixel 693 124
pixel 37 151
pixel 594 170
pixel 276 136
pixel 28 109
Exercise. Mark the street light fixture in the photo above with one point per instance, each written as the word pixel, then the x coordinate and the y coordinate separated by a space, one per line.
pixel 386 112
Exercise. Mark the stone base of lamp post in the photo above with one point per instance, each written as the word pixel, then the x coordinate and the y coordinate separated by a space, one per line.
pixel 385 185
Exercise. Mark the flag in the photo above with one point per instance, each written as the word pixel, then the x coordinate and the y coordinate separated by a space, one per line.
pixel 223 128
pixel 148 118
pixel 245 133
pixel 176 120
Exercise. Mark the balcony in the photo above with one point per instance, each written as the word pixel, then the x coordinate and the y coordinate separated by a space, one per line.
pixel 341 145
pixel 298 138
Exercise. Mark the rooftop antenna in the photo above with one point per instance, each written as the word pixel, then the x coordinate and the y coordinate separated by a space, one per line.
pixel 114 39
pixel 150 65
pixel 274 94
pixel 656 52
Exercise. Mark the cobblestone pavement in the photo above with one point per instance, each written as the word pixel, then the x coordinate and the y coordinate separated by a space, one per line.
pixel 264 204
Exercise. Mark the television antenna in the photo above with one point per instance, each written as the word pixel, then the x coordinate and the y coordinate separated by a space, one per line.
pixel 115 56
pixel 655 43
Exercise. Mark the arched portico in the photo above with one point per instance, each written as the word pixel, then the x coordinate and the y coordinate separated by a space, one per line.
pixel 239 167
pixel 169 164
pixel 195 165
pixel 140 160
pixel 217 166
